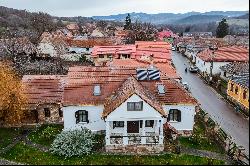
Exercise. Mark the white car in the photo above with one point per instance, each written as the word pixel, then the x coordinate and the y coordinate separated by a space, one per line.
pixel 173 48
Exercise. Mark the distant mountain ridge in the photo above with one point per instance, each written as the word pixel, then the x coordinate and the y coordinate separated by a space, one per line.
pixel 166 18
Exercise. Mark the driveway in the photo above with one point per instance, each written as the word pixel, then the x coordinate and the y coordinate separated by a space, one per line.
pixel 219 110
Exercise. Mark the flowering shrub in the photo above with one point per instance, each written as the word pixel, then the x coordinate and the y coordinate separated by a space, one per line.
pixel 73 143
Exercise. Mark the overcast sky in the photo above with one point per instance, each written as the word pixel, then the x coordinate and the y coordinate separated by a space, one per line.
pixel 108 7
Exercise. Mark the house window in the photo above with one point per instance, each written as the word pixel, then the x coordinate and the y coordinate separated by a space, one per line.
pixel 135 106
pixel 174 115
pixel 236 90
pixel 118 124
pixel 81 116
pixel 101 56
pixel 232 87
pixel 60 112
pixel 149 123
pixel 244 94
pixel 46 112
pixel 87 49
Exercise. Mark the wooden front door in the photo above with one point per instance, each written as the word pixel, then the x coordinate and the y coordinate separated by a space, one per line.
pixel 133 127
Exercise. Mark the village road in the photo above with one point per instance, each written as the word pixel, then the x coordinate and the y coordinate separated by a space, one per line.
pixel 219 110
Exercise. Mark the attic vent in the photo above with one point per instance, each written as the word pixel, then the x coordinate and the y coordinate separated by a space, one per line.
pixel 161 89
pixel 97 90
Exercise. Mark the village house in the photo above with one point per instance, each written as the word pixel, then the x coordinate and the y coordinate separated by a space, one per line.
pixel 133 107
pixel 238 90
pixel 44 98
pixel 198 34
pixel 141 49
pixel 73 28
pixel 166 36
pixel 52 45
pixel 234 68
pixel 209 61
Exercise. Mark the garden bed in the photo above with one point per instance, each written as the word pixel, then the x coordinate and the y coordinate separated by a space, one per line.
pixel 26 154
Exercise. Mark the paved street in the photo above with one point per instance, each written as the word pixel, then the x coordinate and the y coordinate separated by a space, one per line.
pixel 219 110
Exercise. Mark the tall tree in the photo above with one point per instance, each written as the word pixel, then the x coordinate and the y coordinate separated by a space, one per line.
pixel 222 29
pixel 12 100
pixel 127 25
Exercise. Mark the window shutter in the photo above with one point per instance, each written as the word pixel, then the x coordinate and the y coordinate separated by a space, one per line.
pixel 179 116
pixel 77 116
pixel 168 119
pixel 87 116
pixel 141 121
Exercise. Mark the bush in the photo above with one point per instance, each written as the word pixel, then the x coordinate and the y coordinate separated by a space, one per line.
pixel 73 143
pixel 49 133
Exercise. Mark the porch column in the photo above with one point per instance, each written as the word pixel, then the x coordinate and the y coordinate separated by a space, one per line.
pixel 157 129
pixel 125 134
pixel 143 138
pixel 161 137
pixel 107 137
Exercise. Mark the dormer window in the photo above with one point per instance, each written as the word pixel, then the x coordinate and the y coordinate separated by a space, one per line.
pixel 161 89
pixel 97 90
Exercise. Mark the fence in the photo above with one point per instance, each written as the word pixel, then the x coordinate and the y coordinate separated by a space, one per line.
pixel 223 139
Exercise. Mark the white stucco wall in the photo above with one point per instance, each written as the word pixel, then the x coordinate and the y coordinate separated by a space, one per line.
pixel 121 113
pixel 187 116
pixel 206 67
pixel 46 48
pixel 94 116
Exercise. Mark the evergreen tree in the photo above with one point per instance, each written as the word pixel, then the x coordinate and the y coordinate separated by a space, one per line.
pixel 127 25
pixel 222 29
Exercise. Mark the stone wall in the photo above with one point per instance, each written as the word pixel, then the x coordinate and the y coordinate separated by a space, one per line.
pixel 185 133
pixel 135 149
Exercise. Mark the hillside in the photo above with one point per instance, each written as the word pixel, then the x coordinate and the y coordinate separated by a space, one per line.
pixel 195 19
pixel 167 18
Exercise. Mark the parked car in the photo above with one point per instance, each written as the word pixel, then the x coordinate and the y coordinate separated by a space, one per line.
pixel 173 48
pixel 193 69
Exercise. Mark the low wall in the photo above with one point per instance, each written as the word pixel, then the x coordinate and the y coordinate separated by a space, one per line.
pixel 134 149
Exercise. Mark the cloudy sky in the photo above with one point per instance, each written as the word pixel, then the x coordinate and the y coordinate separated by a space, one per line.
pixel 108 7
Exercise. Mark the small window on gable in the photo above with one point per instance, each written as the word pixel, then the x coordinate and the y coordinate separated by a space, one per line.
pixel 174 115
pixel 46 112
pixel 97 90
pixel 135 106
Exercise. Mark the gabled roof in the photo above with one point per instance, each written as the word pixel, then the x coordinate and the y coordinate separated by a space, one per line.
pixel 225 54
pixel 41 89
pixel 128 88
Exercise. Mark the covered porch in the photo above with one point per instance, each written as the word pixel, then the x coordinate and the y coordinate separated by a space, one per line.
pixel 135 132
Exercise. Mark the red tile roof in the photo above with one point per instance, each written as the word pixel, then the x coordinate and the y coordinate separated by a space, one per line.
pixel 81 81
pixel 116 49
pixel 41 89
pixel 225 54
pixel 163 65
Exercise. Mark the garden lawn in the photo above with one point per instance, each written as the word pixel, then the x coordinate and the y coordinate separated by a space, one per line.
pixel 202 142
pixel 7 136
pixel 26 154
pixel 36 136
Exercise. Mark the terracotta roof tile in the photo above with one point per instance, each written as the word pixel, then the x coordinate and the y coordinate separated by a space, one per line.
pixel 225 54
